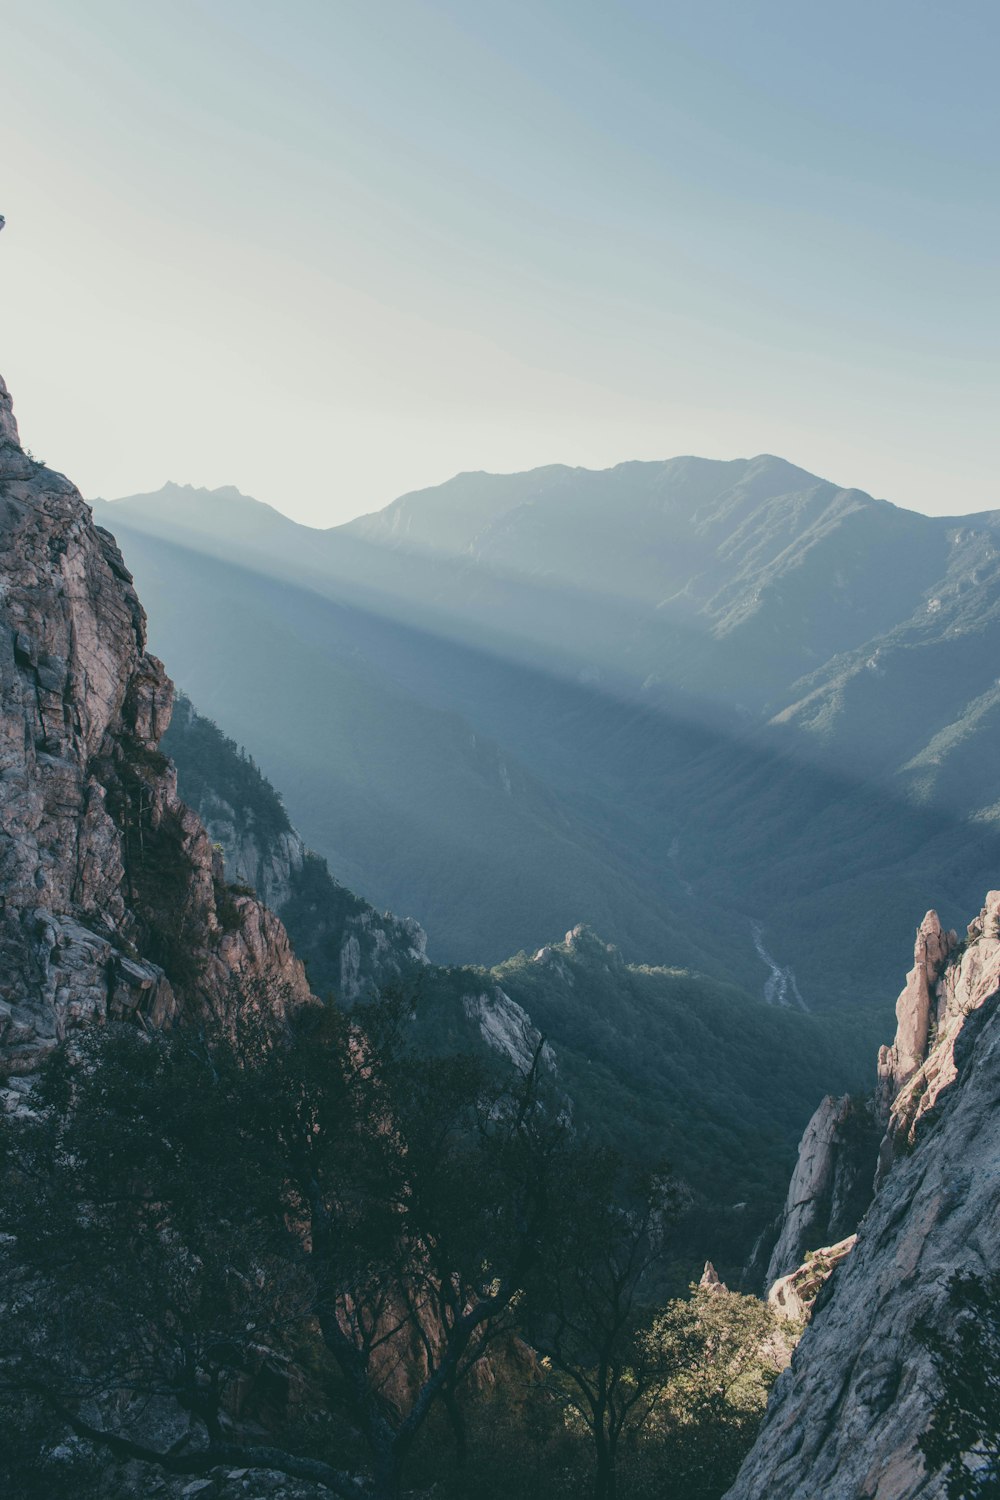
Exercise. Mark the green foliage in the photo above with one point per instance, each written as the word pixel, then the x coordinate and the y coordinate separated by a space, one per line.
pixel 728 1350
pixel 634 1045
pixel 585 1308
pixel 318 1231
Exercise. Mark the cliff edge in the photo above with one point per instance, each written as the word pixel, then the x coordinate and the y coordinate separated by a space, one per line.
pixel 113 901
pixel 845 1419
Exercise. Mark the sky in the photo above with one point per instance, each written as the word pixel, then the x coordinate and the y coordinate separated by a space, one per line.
pixel 333 250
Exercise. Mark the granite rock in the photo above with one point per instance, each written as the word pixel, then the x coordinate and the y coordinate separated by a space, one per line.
pixel 844 1420
pixel 113 899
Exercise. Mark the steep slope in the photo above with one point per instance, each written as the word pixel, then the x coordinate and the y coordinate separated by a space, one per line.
pixel 725 579
pixel 349 948
pixel 932 680
pixel 113 900
pixel 396 744
pixel 844 1421
pixel 415 807
pixel 628 1045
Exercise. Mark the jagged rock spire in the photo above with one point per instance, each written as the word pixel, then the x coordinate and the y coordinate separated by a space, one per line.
pixel 846 1421
pixel 810 1191
pixel 915 1009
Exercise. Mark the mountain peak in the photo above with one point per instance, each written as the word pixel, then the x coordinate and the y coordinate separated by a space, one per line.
pixel 200 508
pixel 220 492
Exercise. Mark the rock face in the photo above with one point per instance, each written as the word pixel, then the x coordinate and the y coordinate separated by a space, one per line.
pixel 844 1421
pixel 113 901
pixel 507 1028
pixel 916 1008
pixel 807 1207
pixel 830 1188
pixel 931 1015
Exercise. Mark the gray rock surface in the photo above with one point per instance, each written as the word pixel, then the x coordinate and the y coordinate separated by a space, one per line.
pixel 507 1028
pixel 377 951
pixel 110 885
pixel 912 1076
pixel 810 1190
pixel 844 1420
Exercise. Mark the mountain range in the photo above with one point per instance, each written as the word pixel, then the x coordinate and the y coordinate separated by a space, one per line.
pixel 730 715
pixel 132 894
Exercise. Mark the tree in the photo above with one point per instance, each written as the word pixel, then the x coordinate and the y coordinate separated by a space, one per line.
pixel 182 1206
pixel 723 1351
pixel 963 1439
pixel 587 1306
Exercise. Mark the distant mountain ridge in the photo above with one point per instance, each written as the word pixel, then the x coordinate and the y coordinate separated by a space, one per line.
pixel 714 577
pixel 663 691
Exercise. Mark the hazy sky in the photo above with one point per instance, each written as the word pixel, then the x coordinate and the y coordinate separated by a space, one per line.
pixel 331 250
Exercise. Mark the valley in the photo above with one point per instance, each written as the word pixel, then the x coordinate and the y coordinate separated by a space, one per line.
pixel 641 730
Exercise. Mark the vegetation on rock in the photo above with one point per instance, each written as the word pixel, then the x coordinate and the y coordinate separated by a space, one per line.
pixel 306 1248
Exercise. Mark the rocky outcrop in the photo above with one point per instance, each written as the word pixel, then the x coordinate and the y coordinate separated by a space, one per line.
pixel 113 900
pixel 9 436
pixel 711 1281
pixel 916 1008
pixel 267 867
pixel 844 1421
pixel 507 1028
pixel 807 1205
pixel 931 1015
pixel 793 1296
pixel 377 950
pixel 830 1189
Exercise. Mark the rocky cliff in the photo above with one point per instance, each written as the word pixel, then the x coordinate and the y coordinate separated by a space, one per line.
pixel 113 901
pixel 845 1419
pixel 831 1185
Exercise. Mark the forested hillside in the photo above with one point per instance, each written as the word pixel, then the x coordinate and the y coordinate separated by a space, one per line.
pixel 662 1063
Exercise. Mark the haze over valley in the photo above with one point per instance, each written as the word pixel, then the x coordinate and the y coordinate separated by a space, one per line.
pixel 687 703
pixel 500 855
